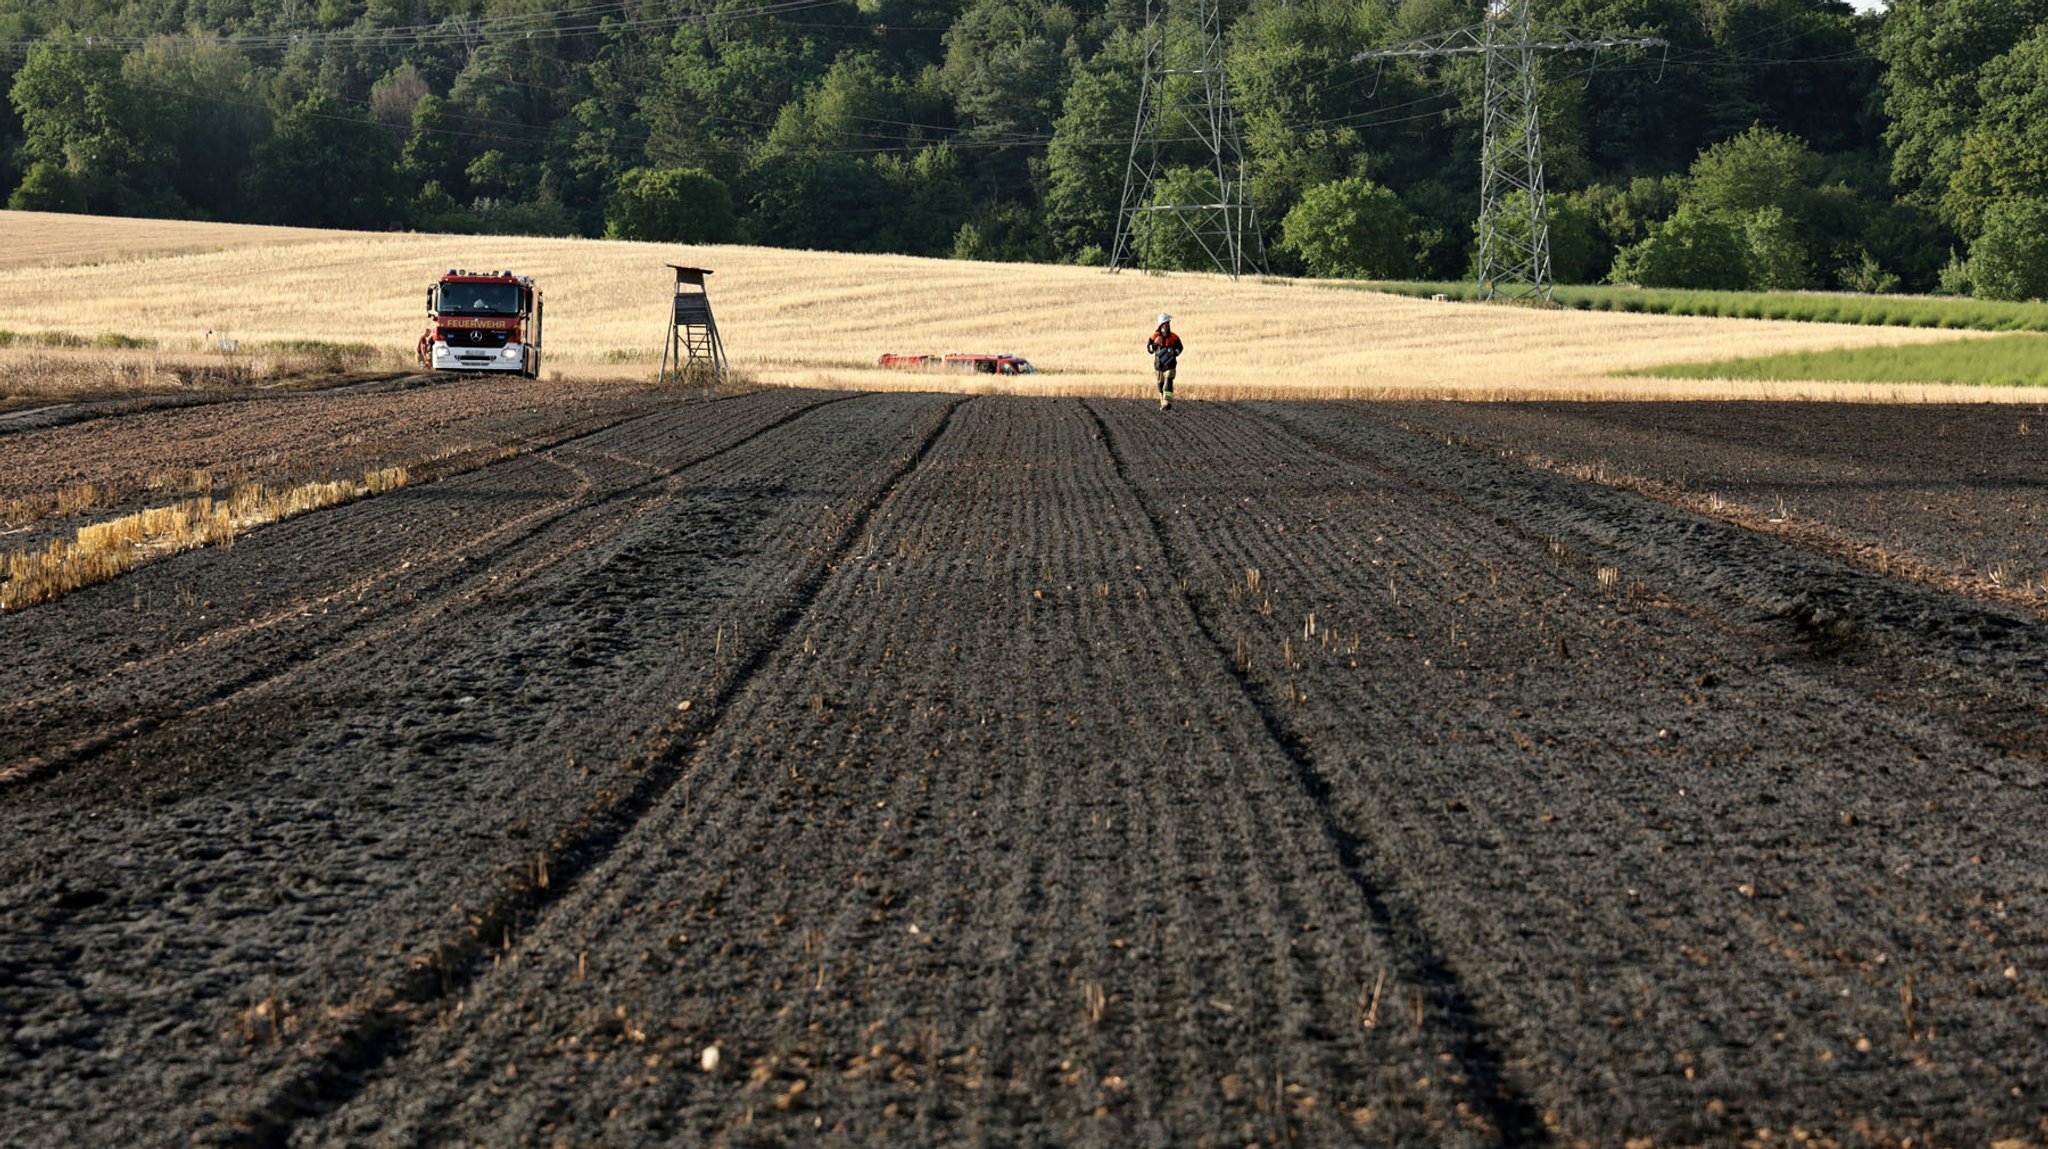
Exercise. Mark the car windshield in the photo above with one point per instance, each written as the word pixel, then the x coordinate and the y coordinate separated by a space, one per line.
pixel 479 299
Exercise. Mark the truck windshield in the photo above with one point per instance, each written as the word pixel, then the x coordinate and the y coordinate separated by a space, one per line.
pixel 479 299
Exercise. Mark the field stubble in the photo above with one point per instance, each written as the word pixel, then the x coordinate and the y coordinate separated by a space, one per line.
pixel 68 489
pixel 817 319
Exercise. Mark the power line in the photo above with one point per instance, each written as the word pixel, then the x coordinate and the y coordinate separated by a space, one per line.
pixel 1184 85
pixel 445 32
pixel 1514 217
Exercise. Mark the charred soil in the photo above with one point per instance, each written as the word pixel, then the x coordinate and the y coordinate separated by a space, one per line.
pixel 830 769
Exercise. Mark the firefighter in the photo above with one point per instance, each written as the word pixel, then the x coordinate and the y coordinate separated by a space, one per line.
pixel 1165 347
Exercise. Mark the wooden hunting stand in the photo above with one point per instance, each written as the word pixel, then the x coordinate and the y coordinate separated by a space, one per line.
pixel 693 343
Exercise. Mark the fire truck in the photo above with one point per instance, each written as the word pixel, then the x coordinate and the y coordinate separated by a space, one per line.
pixel 982 364
pixel 483 321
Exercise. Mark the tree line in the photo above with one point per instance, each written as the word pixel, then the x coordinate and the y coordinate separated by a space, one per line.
pixel 1775 144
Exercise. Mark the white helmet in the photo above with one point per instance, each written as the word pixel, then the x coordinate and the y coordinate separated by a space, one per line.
pixel 1165 318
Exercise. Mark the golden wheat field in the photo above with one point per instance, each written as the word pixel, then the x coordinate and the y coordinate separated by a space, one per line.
pixel 822 319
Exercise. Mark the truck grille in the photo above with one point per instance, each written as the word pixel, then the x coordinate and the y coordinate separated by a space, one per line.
pixel 476 338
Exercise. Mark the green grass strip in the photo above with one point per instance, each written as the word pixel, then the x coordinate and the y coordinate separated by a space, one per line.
pixel 2009 361
pixel 1798 306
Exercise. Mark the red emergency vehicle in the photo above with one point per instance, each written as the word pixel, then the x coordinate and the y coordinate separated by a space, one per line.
pixel 483 321
pixel 959 361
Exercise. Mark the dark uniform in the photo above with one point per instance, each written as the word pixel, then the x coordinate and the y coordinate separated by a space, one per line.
pixel 1165 347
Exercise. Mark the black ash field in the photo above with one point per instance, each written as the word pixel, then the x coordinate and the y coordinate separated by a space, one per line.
pixel 805 768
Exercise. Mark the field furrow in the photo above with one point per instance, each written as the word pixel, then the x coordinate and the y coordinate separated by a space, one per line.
pixel 295 854
pixel 324 586
pixel 993 845
pixel 1707 801
pixel 1947 493
pixel 848 769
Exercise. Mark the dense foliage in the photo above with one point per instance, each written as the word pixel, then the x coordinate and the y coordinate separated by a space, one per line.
pixel 1778 143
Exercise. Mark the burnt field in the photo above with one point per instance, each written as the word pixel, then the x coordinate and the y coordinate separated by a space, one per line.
pixel 803 768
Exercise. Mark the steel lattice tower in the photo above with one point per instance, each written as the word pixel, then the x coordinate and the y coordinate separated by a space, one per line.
pixel 1514 232
pixel 1184 114
pixel 1514 217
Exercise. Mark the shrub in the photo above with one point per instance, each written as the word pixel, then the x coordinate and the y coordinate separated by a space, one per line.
pixel 48 187
pixel 1777 260
pixel 1868 277
pixel 672 205
pixel 1955 276
pixel 1350 228
pixel 1690 249
pixel 2009 259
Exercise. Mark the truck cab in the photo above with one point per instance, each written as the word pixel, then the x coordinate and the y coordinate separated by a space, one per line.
pixel 483 321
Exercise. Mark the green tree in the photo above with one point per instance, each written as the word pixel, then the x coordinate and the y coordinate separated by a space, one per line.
pixel 827 202
pixel 1762 182
pixel 1932 54
pixel 719 94
pixel 1296 92
pixel 672 205
pixel 593 147
pixel 497 176
pixel 1090 144
pixel 930 192
pixel 1630 121
pixel 2005 154
pixel 1351 228
pixel 1184 240
pixel 1804 69
pixel 857 106
pixel 79 115
pixel 1777 260
pixel 1757 169
pixel 1868 276
pixel 2009 259
pixel 434 152
pixel 1691 249
pixel 1577 253
pixel 1003 67
pixel 210 117
pixel 327 166
pixel 1010 233
pixel 48 187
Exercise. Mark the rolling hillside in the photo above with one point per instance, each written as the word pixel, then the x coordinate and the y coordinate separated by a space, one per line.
pixel 821 319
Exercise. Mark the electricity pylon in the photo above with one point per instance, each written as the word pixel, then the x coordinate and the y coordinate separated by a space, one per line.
pixel 1184 113
pixel 1514 219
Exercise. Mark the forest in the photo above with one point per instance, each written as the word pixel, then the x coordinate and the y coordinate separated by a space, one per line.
pixel 1775 144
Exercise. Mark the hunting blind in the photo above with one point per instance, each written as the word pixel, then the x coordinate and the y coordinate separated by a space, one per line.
pixel 693 343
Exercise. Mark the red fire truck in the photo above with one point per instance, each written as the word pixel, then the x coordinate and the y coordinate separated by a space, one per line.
pixel 483 321
pixel 982 364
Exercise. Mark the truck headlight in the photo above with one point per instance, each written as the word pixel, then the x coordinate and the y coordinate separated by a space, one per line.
pixel 511 352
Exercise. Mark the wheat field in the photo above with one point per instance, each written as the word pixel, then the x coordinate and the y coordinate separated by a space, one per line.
pixel 821 319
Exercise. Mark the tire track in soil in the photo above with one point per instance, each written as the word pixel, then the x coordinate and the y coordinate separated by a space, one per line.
pixel 291 438
pixel 1490 1089
pixel 1672 755
pixel 990 852
pixel 69 412
pixel 346 1059
pixel 200 699
pixel 322 788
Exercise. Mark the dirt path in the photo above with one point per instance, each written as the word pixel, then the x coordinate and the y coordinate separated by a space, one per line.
pixel 1020 772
